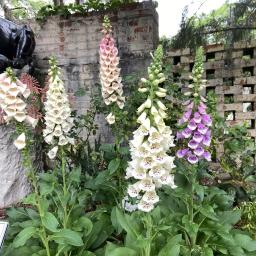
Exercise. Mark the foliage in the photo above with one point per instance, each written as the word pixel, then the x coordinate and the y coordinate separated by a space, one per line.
pixel 227 24
pixel 56 222
pixel 193 220
pixel 88 6
pixel 248 218
pixel 22 9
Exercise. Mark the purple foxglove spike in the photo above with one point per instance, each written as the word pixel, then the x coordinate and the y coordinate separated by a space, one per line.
pixel 197 117
pixel 201 110
pixel 207 156
pixel 199 151
pixel 190 106
pixel 186 133
pixel 201 104
pixel 203 99
pixel 207 141
pixel 187 115
pixel 193 144
pixel 192 125
pixel 208 133
pixel 198 137
pixel 179 136
pixel 193 159
pixel 186 102
pixel 202 128
pixel 182 152
pixel 180 121
pixel 207 119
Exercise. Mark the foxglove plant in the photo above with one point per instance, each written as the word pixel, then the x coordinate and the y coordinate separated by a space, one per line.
pixel 58 120
pixel 12 103
pixel 111 81
pixel 195 121
pixel 150 163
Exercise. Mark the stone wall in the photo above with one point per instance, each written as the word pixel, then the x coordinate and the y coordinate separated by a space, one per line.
pixel 231 73
pixel 75 43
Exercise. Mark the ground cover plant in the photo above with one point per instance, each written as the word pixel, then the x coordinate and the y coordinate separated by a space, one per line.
pixel 150 192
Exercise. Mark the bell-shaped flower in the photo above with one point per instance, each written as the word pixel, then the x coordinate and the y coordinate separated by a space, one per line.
pixel 58 120
pixel 12 102
pixel 196 120
pixel 111 81
pixel 20 142
pixel 150 165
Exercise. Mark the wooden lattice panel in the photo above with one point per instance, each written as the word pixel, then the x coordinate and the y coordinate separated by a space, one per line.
pixel 231 74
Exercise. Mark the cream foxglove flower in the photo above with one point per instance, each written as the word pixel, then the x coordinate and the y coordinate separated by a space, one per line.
pixel 150 165
pixel 12 95
pixel 110 118
pixel 52 153
pixel 58 120
pixel 111 81
pixel 20 142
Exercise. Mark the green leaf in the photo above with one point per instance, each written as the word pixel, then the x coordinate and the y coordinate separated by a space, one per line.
pixel 113 250
pixel 46 188
pixel 126 225
pixel 230 217
pixel 208 212
pixel 48 177
pixel 88 254
pixel 50 222
pixel 86 225
pixel 114 165
pixel 172 248
pixel 30 199
pixel 245 242
pixel 24 236
pixel 75 175
pixel 67 236
pixel 207 252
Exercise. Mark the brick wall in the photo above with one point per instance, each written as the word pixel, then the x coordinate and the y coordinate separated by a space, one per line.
pixel 75 41
pixel 231 73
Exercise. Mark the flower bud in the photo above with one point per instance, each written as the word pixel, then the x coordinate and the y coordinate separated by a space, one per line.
pixel 143 89
pixel 143 80
pixel 160 94
pixel 156 82
pixel 148 103
pixel 151 77
pixel 162 90
pixel 154 110
pixel 161 105
pixel 141 108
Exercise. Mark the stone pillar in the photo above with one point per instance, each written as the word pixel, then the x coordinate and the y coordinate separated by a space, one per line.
pixel 13 182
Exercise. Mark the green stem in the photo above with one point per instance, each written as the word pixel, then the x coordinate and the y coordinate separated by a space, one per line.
pixel 33 180
pixel 147 249
pixel 63 171
pixel 191 206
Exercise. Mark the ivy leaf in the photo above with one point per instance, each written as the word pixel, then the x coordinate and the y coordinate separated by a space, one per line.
pixel 24 236
pixel 114 165
pixel 50 222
